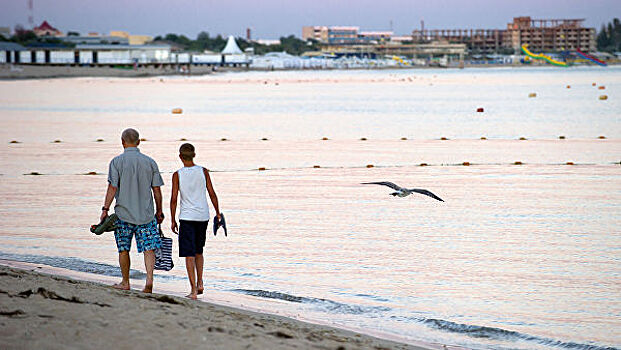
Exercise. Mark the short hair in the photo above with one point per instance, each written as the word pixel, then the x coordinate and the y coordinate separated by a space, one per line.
pixel 130 136
pixel 186 151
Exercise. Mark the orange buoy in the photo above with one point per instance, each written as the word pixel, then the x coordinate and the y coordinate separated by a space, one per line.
pixel 183 139
pixel 522 138
pixel 325 139
pixel 143 139
pixel 424 164
pixel 316 166
pixel 480 110
pixel 91 173
pixel 443 138
pixel 370 165
pixel 602 137
pixel 532 94
pixel 593 84
pixel 603 97
pixel 601 87
pixel 177 111
pixel 517 163
pixel 483 138
pixel 465 163
pixel 261 168
pixel 570 163
pixel 569 86
pixel 404 138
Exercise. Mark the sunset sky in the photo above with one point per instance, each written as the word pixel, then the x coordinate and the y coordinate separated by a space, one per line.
pixel 274 18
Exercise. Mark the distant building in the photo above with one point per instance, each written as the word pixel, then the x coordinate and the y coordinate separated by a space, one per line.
pixel 132 39
pixel 268 42
pixel 45 29
pixel 550 34
pixel 344 35
pixel 319 33
pixel 92 40
pixel 542 35
pixel 375 36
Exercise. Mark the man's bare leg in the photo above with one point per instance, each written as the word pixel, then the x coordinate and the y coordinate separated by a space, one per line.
pixel 124 262
pixel 190 266
pixel 149 264
pixel 199 273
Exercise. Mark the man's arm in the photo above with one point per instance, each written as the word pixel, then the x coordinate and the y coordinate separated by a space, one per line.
pixel 173 202
pixel 108 201
pixel 212 193
pixel 157 195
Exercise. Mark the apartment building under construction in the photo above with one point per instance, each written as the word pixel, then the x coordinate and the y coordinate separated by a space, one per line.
pixel 541 35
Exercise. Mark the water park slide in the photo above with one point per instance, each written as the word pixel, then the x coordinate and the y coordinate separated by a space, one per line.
pixel 590 58
pixel 542 57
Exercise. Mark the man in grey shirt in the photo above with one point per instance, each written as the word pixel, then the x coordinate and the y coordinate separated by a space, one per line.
pixel 134 180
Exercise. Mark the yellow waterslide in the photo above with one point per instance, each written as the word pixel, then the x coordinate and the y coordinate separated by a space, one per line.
pixel 542 57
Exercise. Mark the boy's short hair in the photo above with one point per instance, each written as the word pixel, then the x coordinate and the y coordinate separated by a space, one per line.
pixel 186 151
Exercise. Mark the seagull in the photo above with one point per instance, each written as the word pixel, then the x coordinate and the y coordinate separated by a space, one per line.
pixel 403 192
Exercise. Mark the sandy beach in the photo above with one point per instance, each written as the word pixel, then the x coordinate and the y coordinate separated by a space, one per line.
pixel 44 311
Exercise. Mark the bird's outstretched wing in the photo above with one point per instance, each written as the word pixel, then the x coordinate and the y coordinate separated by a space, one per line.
pixel 426 193
pixel 384 183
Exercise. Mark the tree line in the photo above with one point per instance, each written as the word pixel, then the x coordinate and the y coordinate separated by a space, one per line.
pixel 609 37
pixel 204 41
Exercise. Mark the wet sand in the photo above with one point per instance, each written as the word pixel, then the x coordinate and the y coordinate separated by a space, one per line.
pixel 44 311
pixel 10 72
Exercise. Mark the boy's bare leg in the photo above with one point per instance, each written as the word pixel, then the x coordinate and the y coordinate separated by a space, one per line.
pixel 124 262
pixel 190 266
pixel 199 273
pixel 149 265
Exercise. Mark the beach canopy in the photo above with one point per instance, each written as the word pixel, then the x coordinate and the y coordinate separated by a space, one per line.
pixel 231 47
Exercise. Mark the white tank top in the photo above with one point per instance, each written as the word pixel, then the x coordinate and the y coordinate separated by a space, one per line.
pixel 193 190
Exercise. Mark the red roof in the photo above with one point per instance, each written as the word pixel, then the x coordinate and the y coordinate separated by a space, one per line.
pixel 45 26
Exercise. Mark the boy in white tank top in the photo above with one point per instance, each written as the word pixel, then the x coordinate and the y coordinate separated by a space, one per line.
pixel 193 182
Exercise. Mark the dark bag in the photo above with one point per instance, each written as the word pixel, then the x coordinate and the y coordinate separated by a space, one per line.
pixel 163 256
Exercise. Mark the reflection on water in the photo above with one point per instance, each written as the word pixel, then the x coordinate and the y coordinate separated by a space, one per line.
pixel 519 256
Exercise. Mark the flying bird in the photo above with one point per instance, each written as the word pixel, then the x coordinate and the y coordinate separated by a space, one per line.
pixel 404 192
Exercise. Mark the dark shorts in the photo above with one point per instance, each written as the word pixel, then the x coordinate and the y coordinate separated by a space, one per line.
pixel 192 237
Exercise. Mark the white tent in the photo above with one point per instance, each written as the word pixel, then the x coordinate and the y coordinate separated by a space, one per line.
pixel 231 47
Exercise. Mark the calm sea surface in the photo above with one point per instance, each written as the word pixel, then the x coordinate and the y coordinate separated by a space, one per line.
pixel 524 256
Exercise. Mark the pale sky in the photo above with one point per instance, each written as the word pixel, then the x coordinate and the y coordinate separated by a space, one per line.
pixel 274 18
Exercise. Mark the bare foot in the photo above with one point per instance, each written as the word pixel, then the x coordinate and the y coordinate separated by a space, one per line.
pixel 121 286
pixel 191 296
pixel 148 288
pixel 200 289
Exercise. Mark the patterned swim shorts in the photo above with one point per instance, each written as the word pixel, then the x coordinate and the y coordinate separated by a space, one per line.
pixel 147 236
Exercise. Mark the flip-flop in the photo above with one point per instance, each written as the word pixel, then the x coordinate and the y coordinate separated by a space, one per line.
pixel 106 225
pixel 219 223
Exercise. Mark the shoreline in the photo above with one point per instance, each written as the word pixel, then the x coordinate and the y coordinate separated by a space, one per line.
pixel 16 72
pixel 39 308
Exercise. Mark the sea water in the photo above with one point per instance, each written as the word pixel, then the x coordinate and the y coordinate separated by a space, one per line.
pixel 524 252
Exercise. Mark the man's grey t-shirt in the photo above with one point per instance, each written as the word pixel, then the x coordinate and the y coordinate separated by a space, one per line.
pixel 134 174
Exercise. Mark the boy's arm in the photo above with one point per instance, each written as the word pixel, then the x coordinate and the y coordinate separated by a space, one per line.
pixel 212 193
pixel 173 202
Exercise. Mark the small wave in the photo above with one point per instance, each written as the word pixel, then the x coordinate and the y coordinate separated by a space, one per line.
pixel 327 305
pixel 77 264
pixel 503 334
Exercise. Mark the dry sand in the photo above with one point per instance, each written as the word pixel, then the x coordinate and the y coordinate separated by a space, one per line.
pixel 40 311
